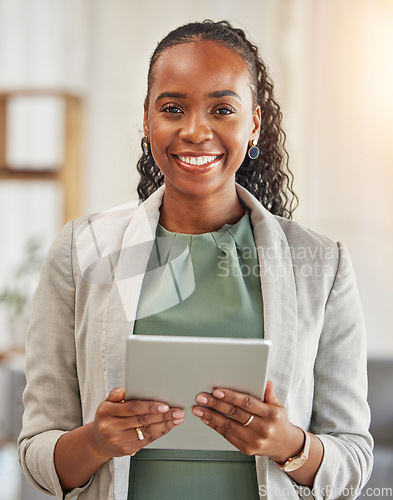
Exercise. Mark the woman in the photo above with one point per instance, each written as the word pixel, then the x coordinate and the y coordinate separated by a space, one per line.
pixel 210 118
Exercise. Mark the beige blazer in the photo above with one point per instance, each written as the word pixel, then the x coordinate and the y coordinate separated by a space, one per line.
pixel 85 307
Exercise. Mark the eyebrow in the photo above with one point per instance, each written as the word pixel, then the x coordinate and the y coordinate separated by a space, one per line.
pixel 177 95
pixel 216 94
pixel 224 93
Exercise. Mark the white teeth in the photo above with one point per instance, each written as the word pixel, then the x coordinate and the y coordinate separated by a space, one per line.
pixel 197 160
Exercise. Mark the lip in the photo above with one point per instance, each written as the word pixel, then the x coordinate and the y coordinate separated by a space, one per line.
pixel 197 169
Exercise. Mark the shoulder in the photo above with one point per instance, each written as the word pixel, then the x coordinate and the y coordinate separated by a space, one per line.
pixel 300 237
pixel 278 228
pixel 118 216
pixel 89 237
pixel 308 250
pixel 315 257
pixel 103 229
pixel 114 220
pixel 97 239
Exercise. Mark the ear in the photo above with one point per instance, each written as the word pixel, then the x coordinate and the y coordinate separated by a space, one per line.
pixel 256 119
pixel 146 122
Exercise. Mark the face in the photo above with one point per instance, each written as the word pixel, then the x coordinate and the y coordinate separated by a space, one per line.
pixel 199 118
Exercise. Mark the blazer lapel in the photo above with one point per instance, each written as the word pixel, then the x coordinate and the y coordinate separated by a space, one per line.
pixel 129 272
pixel 278 292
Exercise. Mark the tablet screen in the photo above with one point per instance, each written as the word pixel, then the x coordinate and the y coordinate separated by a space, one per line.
pixel 174 369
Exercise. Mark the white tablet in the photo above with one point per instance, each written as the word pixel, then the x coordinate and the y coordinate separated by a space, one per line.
pixel 174 369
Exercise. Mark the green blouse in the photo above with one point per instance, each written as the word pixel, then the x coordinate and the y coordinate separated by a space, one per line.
pixel 200 285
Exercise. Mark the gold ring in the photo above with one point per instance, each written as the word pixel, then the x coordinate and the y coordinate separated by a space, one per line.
pixel 141 437
pixel 249 421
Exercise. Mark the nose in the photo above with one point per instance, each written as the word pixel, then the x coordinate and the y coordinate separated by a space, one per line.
pixel 195 128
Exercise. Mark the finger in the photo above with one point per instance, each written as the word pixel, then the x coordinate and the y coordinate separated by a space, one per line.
pixel 247 404
pixel 150 433
pixel 136 407
pixel 245 401
pixel 127 423
pixel 215 419
pixel 116 395
pixel 223 407
pixel 270 395
pixel 127 442
pixel 177 416
pixel 230 429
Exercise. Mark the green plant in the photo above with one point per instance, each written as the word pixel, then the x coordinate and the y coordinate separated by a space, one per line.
pixel 17 295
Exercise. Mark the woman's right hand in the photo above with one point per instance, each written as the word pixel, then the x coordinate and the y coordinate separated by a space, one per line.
pixel 79 453
pixel 114 427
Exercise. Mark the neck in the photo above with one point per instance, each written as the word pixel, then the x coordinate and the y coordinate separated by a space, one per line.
pixel 196 215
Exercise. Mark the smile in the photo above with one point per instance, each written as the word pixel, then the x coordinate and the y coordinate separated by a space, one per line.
pixel 197 164
pixel 197 160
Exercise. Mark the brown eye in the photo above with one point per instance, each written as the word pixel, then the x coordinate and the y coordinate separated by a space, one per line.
pixel 223 111
pixel 171 109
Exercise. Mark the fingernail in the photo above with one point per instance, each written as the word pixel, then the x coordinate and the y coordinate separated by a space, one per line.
pixel 201 399
pixel 218 394
pixel 178 421
pixel 205 421
pixel 197 412
pixel 178 414
pixel 163 408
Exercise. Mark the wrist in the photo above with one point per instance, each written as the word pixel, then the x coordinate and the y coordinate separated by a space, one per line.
pixel 295 444
pixel 94 446
pixel 77 458
pixel 294 462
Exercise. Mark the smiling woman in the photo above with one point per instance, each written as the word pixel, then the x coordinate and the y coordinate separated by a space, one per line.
pixel 199 130
pixel 267 178
pixel 210 120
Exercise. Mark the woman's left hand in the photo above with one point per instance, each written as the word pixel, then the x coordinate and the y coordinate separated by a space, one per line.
pixel 269 433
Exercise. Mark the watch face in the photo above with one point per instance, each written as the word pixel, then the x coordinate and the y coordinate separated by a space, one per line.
pixel 295 464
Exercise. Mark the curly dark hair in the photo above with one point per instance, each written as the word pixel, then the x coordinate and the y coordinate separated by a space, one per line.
pixel 268 177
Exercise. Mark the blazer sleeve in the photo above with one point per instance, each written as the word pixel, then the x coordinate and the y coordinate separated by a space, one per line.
pixel 51 397
pixel 341 415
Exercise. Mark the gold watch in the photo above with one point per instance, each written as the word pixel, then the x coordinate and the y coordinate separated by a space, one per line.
pixel 295 463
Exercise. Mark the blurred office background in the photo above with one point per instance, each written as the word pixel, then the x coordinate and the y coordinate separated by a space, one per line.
pixel 72 85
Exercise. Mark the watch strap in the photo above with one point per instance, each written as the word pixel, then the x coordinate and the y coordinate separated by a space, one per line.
pixel 303 455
